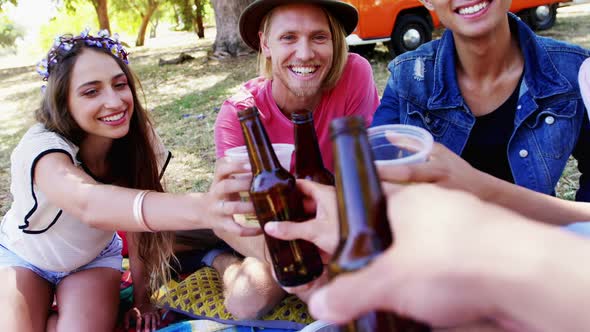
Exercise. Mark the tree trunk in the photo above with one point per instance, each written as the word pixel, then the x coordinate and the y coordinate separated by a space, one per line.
pixel 227 40
pixel 102 13
pixel 199 27
pixel 154 28
pixel 145 20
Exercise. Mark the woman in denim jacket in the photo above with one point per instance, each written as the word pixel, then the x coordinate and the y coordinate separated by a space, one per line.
pixel 492 91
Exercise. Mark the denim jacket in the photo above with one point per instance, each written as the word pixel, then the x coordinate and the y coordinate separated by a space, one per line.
pixel 550 122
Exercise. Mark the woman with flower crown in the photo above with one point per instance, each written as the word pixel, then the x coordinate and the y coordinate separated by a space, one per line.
pixel 90 166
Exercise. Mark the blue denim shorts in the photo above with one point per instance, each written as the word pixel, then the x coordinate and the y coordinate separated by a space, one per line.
pixel 109 257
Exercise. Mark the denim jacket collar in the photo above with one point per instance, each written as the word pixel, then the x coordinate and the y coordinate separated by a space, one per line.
pixel 541 78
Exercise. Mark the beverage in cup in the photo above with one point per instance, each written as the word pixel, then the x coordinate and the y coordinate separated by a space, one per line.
pixel 239 154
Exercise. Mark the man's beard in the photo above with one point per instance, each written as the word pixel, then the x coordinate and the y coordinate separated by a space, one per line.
pixel 305 89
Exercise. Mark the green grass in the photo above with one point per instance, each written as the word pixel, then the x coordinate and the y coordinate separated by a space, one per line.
pixel 198 88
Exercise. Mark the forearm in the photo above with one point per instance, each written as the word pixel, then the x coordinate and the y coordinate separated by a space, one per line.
pixel 111 207
pixel 138 273
pixel 540 280
pixel 531 204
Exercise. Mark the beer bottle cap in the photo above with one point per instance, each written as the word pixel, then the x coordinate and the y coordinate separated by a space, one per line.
pixel 302 116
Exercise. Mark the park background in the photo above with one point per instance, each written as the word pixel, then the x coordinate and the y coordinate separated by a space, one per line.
pixel 183 98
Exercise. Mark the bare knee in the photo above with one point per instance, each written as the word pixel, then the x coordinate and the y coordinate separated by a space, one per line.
pixel 80 294
pixel 250 290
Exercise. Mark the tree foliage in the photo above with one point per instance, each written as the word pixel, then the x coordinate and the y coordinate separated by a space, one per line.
pixel 3 2
pixel 191 14
pixel 100 7
pixel 9 31
pixel 144 10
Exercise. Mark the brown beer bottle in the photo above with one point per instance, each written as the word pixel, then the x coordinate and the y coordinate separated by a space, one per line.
pixel 276 198
pixel 362 213
pixel 308 157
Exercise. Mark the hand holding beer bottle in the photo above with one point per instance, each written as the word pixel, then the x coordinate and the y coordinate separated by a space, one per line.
pixel 275 198
pixel 362 212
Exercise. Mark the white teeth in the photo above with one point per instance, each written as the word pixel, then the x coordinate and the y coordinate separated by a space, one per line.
pixel 115 117
pixel 304 70
pixel 473 9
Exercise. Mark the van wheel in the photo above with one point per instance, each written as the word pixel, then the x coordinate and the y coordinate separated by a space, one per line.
pixel 542 17
pixel 409 33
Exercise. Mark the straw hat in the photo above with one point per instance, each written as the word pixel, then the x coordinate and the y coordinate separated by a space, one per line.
pixel 252 16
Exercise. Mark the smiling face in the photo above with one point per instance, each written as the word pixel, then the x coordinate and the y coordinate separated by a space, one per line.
pixel 99 96
pixel 299 45
pixel 471 18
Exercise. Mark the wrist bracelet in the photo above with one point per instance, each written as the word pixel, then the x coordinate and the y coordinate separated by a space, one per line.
pixel 138 210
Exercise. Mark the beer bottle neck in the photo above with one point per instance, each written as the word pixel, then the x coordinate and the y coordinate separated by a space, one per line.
pixel 260 150
pixel 361 203
pixel 308 156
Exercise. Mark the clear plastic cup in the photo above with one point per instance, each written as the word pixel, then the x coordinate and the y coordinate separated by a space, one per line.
pixel 399 144
pixel 283 151
pixel 239 154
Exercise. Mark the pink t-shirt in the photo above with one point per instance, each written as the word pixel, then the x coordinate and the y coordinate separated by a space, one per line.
pixel 354 94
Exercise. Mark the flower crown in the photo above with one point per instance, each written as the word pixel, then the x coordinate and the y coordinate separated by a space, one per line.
pixel 64 43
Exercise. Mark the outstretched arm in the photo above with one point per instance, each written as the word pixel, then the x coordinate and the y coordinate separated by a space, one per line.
pixel 447 169
pixel 111 207
pixel 463 260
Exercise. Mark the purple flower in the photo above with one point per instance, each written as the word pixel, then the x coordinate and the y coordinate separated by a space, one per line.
pixel 85 33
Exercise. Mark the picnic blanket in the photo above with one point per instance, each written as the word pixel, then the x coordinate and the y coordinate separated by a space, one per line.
pixel 212 326
pixel 200 296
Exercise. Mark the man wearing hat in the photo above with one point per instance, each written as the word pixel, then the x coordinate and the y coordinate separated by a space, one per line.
pixel 304 64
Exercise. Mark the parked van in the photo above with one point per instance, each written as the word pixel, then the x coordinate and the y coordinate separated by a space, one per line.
pixel 403 25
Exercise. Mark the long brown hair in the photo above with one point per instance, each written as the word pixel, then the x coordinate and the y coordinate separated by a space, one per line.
pixel 132 160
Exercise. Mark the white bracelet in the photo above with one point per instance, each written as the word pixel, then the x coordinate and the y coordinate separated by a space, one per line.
pixel 138 209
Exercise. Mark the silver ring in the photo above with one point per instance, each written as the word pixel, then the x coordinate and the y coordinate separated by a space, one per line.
pixel 221 204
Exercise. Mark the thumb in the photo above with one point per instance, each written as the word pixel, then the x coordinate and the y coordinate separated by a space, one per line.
pixel 336 302
pixel 424 172
pixel 287 230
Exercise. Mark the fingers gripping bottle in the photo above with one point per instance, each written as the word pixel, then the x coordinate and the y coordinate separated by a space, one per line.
pixel 276 198
pixel 362 213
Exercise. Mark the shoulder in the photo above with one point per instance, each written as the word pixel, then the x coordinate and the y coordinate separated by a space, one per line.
pixel 247 95
pixel 39 141
pixel 356 62
pixel 427 51
pixel 358 71
pixel 413 72
pixel 422 59
pixel 565 57
pixel 561 48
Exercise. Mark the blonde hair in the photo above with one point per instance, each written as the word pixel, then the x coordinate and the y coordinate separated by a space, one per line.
pixel 339 56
